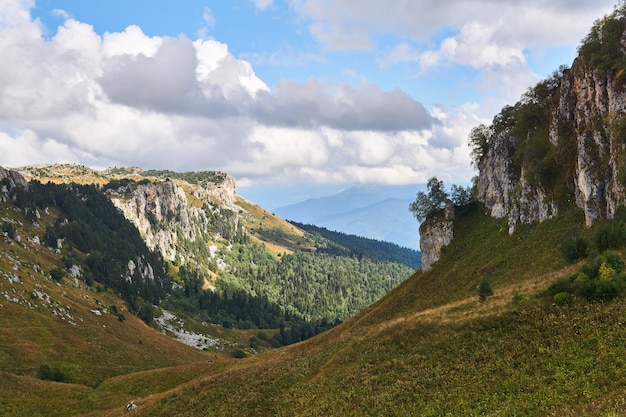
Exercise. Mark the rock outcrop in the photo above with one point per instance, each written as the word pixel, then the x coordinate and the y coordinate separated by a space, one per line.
pixel 586 132
pixel 9 179
pixel 562 144
pixel 436 232
pixel 171 214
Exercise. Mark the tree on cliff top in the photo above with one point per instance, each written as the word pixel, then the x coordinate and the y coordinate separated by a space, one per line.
pixel 426 204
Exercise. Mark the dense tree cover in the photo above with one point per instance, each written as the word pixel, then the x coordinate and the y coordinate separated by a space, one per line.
pixel 89 222
pixel 241 309
pixel 351 245
pixel 315 285
pixel 301 294
pixel 303 290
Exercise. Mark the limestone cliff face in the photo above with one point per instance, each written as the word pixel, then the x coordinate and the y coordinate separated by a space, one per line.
pixel 586 133
pixel 176 217
pixel 436 232
pixel 592 105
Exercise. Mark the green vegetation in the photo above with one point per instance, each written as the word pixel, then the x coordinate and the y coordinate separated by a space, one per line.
pixel 315 286
pixel 601 48
pixel 427 205
pixel 484 290
pixel 46 373
pixel 201 177
pixel 351 245
pixel 430 348
pixel 90 224
pixel 601 276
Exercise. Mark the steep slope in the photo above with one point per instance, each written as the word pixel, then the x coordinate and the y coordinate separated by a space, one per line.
pixel 55 325
pixel 216 241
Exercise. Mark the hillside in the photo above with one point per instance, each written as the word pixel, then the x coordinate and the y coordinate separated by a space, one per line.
pixel 224 250
pixel 430 348
pixel 88 297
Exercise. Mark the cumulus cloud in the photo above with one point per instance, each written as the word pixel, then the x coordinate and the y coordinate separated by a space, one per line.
pixel 126 98
pixel 313 104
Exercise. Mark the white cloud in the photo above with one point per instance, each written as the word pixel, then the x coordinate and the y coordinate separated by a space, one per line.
pixel 262 4
pixel 117 99
pixel 334 21
pixel 132 41
pixel 476 46
pixel 208 25
pixel 401 53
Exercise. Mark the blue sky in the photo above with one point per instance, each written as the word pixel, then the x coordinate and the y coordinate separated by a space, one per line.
pixel 295 98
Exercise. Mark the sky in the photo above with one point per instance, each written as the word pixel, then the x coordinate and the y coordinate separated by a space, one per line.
pixel 294 98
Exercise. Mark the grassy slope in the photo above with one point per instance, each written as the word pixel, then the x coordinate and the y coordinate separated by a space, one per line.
pixel 63 332
pixel 430 348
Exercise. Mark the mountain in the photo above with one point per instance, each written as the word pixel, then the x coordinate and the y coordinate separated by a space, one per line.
pixel 375 212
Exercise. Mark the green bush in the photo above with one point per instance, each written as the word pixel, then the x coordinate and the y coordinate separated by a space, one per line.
pixel 601 278
pixel 562 298
pixel 46 373
pixel 573 245
pixel 57 274
pixel 484 290
pixel 239 354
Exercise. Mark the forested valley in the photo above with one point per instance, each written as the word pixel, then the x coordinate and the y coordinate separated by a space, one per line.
pixel 300 292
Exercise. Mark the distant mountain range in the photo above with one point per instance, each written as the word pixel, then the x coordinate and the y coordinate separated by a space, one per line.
pixel 376 212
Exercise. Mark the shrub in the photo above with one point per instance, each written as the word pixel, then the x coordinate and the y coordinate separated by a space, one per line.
pixel 484 290
pixel 562 298
pixel 57 274
pixel 239 354
pixel 573 245
pixel 46 373
pixel 601 278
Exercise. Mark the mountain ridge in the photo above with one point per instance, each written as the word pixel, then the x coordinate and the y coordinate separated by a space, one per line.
pixel 373 212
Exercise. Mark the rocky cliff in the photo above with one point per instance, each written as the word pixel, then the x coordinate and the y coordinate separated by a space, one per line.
pixel 9 179
pixel 181 215
pixel 561 145
pixel 436 232
pixel 564 142
pixel 182 219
